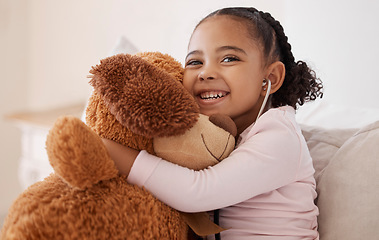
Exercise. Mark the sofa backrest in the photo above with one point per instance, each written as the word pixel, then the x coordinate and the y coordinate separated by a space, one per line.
pixel 347 175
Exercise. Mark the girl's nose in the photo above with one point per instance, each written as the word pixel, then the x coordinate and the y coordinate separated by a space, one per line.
pixel 207 73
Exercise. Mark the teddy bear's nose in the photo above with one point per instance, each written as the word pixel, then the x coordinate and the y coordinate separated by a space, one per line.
pixel 225 122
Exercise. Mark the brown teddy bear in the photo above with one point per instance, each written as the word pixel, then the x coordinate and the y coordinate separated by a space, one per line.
pixel 140 102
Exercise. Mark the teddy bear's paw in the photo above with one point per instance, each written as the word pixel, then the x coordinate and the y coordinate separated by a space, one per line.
pixel 78 154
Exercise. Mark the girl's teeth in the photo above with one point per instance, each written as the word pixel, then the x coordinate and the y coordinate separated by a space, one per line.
pixel 211 95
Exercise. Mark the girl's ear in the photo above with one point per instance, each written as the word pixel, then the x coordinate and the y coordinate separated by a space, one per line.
pixel 275 73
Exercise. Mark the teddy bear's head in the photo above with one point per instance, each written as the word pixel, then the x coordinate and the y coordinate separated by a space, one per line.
pixel 132 98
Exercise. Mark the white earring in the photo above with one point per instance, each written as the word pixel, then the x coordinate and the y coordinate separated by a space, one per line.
pixel 264 83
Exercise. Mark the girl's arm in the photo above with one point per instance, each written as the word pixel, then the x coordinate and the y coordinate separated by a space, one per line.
pixel 122 156
pixel 269 158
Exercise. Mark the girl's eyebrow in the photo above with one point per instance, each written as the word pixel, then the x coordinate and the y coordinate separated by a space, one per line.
pixel 234 48
pixel 220 49
pixel 193 52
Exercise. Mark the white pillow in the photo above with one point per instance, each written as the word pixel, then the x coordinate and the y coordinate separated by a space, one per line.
pixel 123 45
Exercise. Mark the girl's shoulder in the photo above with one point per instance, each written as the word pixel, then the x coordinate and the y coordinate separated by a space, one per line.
pixel 275 120
pixel 275 129
pixel 282 116
pixel 286 111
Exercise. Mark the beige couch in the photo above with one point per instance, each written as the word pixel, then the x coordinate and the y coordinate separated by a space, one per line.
pixel 347 175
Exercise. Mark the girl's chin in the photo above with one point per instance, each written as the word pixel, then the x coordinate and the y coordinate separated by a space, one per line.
pixel 210 112
pixel 212 106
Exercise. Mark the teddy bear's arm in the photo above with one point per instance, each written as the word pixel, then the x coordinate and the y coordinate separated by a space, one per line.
pixel 78 154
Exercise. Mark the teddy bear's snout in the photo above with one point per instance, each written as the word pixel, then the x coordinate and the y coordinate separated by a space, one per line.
pixel 224 122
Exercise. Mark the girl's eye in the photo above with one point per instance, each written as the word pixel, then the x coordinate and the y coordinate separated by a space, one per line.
pixel 230 59
pixel 193 62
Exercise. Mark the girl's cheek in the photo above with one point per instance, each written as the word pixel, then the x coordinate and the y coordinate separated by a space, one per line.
pixel 186 82
pixel 187 87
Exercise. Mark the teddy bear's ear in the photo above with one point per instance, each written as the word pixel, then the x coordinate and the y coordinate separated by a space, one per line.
pixel 164 62
pixel 145 94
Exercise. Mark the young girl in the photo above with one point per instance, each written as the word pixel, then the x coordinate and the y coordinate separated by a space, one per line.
pixel 239 63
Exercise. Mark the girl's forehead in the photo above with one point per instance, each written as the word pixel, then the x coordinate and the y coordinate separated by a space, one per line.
pixel 221 30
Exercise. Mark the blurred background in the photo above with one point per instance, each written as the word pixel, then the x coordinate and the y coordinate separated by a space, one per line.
pixel 47 48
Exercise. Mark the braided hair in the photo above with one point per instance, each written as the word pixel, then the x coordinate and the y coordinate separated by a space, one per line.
pixel 300 83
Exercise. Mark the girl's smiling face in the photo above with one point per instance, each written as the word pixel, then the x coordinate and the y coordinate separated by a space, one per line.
pixel 224 70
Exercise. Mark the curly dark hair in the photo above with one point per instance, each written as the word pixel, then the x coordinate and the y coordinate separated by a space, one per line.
pixel 300 83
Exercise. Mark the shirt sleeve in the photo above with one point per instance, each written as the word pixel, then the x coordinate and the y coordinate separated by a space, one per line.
pixel 268 159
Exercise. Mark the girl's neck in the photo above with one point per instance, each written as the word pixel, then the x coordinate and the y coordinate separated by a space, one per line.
pixel 243 125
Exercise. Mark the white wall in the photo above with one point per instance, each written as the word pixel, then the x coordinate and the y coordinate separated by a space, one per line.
pixel 48 46
pixel 340 39
pixel 68 37
pixel 13 93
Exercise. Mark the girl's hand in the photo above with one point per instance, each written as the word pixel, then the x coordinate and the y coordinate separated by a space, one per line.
pixel 122 156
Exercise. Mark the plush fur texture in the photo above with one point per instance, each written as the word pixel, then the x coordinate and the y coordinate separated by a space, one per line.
pixel 135 98
pixel 157 106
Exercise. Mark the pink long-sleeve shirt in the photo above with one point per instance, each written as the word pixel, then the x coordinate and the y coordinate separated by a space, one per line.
pixel 265 188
